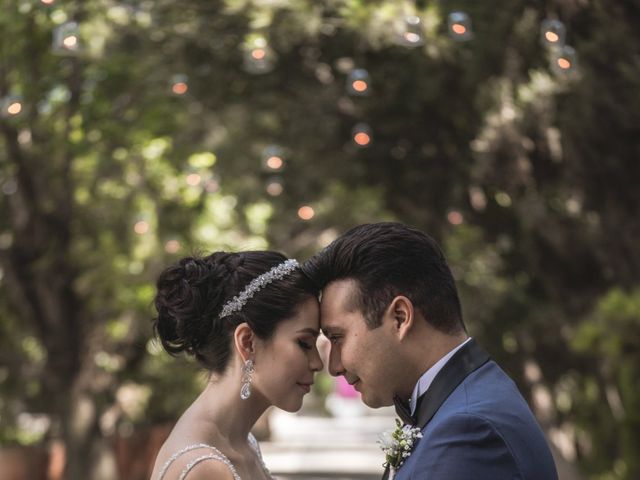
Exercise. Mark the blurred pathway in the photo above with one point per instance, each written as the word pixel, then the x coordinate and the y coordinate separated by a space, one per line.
pixel 319 448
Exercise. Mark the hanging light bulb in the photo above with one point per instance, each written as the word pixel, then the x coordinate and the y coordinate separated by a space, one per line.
pixel 179 84
pixel 141 227
pixel 306 212
pixel 172 245
pixel 552 33
pixel 259 57
pixel 459 24
pixel 358 82
pixel 11 106
pixel 361 135
pixel 564 60
pixel 274 186
pixel 272 159
pixel 48 2
pixel 66 39
pixel 411 34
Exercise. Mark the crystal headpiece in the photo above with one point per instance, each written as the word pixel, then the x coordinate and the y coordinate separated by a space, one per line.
pixel 258 283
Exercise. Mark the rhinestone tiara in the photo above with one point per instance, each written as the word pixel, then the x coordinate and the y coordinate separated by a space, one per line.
pixel 257 284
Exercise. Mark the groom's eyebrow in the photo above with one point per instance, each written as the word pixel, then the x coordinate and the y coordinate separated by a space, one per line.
pixel 331 330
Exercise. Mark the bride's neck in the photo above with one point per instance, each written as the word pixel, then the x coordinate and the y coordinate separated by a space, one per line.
pixel 232 417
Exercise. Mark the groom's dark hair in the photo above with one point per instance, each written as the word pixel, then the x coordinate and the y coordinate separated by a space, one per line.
pixel 386 260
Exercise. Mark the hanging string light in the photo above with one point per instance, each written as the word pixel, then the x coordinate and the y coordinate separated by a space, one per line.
pixel 272 159
pixel 306 212
pixel 179 84
pixel 274 186
pixel 258 56
pixel 212 184
pixel 459 26
pixel 361 135
pixel 552 33
pixel 66 39
pixel 193 179
pixel 564 60
pixel 455 218
pixel 141 227
pixel 11 106
pixel 358 82
pixel 172 246
pixel 411 32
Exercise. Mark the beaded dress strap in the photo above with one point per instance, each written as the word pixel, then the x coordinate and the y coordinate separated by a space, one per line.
pixel 215 455
pixel 254 444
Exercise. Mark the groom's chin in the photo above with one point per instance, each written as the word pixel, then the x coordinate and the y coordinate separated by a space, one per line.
pixel 375 401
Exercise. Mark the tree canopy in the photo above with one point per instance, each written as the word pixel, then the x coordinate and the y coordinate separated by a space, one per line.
pixel 133 133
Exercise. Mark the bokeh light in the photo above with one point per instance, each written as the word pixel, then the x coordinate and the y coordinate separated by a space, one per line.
pixel 306 212
pixel 141 227
pixel 172 246
pixel 193 179
pixel 14 108
pixel 412 34
pixel 460 26
pixel 274 186
pixel 552 33
pixel 455 218
pixel 275 162
pixel 358 82
pixel 361 135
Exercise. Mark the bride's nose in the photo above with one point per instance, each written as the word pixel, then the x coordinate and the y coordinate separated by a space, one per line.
pixel 316 362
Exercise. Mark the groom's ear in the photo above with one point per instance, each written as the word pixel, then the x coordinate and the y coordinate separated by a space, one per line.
pixel 402 315
pixel 244 339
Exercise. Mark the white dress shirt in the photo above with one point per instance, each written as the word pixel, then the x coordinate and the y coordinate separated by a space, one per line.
pixel 427 377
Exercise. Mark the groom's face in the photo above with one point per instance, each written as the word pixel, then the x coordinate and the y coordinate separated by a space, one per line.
pixel 365 357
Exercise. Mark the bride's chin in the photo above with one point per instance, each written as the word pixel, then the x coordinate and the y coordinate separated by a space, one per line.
pixel 291 406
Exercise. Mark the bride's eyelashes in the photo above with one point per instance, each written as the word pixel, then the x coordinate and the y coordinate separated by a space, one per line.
pixel 304 345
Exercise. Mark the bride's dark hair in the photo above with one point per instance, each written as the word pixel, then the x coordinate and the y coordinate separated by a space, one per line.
pixel 191 294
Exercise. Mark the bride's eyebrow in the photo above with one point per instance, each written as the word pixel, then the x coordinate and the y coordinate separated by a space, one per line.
pixel 310 331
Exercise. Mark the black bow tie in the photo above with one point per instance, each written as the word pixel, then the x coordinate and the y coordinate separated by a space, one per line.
pixel 403 411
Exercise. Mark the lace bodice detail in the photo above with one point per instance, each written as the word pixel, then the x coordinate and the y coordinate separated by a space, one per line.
pixel 212 454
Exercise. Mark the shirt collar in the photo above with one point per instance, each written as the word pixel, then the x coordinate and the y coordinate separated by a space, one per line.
pixel 427 377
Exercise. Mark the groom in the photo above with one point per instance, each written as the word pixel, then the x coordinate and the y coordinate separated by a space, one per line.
pixel 391 311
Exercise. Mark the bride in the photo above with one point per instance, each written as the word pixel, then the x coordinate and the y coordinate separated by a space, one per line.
pixel 251 319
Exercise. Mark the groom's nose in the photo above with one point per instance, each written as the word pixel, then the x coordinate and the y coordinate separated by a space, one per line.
pixel 335 364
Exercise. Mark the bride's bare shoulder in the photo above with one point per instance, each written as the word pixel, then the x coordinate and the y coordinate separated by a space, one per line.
pixel 210 470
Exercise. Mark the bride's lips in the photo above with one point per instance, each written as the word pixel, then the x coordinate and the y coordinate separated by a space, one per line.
pixel 305 386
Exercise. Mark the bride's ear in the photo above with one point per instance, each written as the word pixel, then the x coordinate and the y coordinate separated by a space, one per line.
pixel 244 340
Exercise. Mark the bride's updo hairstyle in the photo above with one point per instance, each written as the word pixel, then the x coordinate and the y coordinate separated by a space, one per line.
pixel 191 294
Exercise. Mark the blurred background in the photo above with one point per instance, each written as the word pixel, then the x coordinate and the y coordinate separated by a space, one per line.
pixel 136 132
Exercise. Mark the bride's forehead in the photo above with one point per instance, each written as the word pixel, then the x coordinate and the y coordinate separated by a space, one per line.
pixel 307 317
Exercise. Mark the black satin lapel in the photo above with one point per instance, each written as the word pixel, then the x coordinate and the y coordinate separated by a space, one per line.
pixel 465 361
pixel 385 475
pixel 403 411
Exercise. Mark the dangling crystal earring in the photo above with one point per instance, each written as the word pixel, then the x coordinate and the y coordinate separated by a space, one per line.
pixel 247 372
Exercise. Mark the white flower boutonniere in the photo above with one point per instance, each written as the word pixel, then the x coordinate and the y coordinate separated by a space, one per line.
pixel 397 445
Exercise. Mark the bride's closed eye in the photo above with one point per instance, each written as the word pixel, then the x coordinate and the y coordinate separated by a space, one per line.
pixel 305 345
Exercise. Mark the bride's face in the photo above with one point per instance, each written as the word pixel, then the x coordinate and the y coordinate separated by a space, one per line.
pixel 286 364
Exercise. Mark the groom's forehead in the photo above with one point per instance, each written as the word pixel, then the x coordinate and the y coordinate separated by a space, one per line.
pixel 340 296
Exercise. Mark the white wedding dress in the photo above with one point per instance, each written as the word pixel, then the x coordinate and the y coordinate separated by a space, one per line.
pixel 213 454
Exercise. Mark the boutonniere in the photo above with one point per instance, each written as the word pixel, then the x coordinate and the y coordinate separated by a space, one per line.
pixel 397 445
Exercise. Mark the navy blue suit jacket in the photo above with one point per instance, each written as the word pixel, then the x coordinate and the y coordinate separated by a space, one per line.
pixel 483 430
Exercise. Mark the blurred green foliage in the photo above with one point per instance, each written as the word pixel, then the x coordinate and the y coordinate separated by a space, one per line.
pixel 528 178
